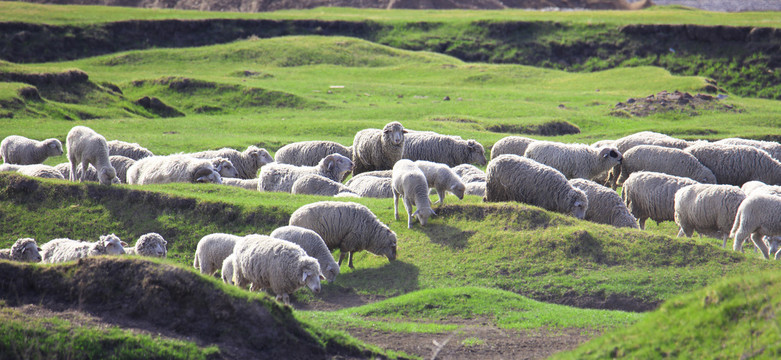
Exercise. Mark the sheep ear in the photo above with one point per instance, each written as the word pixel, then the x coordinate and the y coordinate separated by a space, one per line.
pixel 415 213
pixel 304 278
pixel 328 268
pixel 404 131
pixel 322 277
pixel 40 250
pixel 123 243
pixel 330 161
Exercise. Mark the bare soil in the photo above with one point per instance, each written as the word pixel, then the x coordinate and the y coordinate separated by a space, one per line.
pixel 670 101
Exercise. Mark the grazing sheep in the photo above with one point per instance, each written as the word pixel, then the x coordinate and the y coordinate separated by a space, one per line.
pixel 24 249
pixel 475 188
pixel 652 195
pixel 119 162
pixel 275 264
pixel 670 161
pixel 314 246
pixel 62 250
pixel 309 153
pixel 773 148
pixel 758 215
pixel 444 149
pixel 574 160
pixel 313 184
pixel 515 178
pixel 149 244
pixel 129 150
pixel 212 250
pixel 738 164
pixel 86 147
pixel 247 162
pixel 409 183
pixel 604 205
pixel 224 167
pixel 375 149
pixel 347 226
pixel 172 168
pixel 708 209
pixel 35 170
pixel 751 186
pixel 227 269
pixel 280 177
pixel 469 173
pixel 249 184
pixel 371 186
pixel 20 150
pixel 442 178
pixel 515 145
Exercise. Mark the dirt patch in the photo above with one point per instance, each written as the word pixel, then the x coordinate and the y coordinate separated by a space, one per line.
pixel 600 301
pixel 553 128
pixel 336 299
pixel 158 107
pixel 677 101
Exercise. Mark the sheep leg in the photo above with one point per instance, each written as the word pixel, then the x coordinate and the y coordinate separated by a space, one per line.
pixel 408 206
pixel 396 204
pixel 760 244
pixel 641 222
pixel 341 257
pixel 441 193
pixel 724 238
pixel 72 176
pixel 84 167
pixel 740 237
pixel 350 261
pixel 681 233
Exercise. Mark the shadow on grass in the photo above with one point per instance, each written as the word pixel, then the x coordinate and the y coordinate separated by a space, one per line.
pixel 450 236
pixel 395 277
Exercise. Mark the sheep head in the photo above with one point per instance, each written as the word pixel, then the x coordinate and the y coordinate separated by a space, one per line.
pixel 259 155
pixel 458 190
pixel 579 203
pixel 309 271
pixel 109 245
pixel 337 164
pixel 476 152
pixel 423 214
pixel 108 175
pixel 225 167
pixel 151 244
pixel 26 249
pixel 611 154
pixel 207 174
pixel 53 147
pixel 330 272
pixel 393 133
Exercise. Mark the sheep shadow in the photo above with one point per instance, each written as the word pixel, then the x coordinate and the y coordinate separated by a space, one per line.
pixel 450 236
pixel 394 277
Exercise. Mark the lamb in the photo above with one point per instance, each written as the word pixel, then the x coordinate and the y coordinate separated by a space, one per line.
pixel 409 183
pixel 172 168
pixel 738 164
pixel 280 177
pixel 758 215
pixel 275 264
pixel 604 205
pixel 227 269
pixel 515 145
pixel 664 160
pixel 247 162
pixel 249 184
pixel 449 150
pixel 475 188
pixel 442 178
pixel 371 186
pixel 309 153
pixel 708 209
pixel 313 184
pixel 62 250
pixel 347 226
pixel 119 162
pixel 375 149
pixel 314 246
pixel 752 186
pixel 35 170
pixel 773 148
pixel 652 195
pixel 212 250
pixel 574 160
pixel 224 167
pixel 469 173
pixel 515 178
pixel 24 249
pixel 149 244
pixel 87 147
pixel 129 150
pixel 20 150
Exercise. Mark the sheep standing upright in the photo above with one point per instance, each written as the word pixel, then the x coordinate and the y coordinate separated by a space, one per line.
pixel 515 145
pixel 652 195
pixel 574 160
pixel 375 149
pixel 758 215
pixel 281 177
pixel 737 164
pixel 129 150
pixel 666 160
pixel 172 168
pixel 20 150
pixel 309 153
pixel 314 246
pixel 410 184
pixel 149 244
pixel 444 149
pixel 515 178
pixel 347 226
pixel 212 250
pixel 708 209
pixel 24 249
pixel 247 162
pixel 604 205
pixel 86 147
pixel 62 250
pixel 442 178
pixel 643 138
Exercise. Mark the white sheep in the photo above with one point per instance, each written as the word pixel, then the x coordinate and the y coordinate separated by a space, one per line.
pixel 442 178
pixel 224 167
pixel 62 250
pixel 314 246
pixel 35 170
pixel 309 153
pixel 149 244
pixel 751 186
pixel 20 150
pixel 469 173
pixel 275 264
pixel 227 269
pixel 347 226
pixel 249 184
pixel 515 145
pixel 773 148
pixel 758 215
pixel 212 250
pixel 375 149
pixel 604 205
pixel 247 162
pixel 86 147
pixel 376 173
pixel 708 209
pixel 603 143
pixel 410 184
pixel 643 138
pixel 737 164
pixel 666 160
pixel 129 150
pixel 24 249
pixel 475 188
pixel 574 160
pixel 515 178
pixel 652 195
pixel 445 149
pixel 371 186
pixel 280 177
pixel 119 162
pixel 172 168
pixel 314 184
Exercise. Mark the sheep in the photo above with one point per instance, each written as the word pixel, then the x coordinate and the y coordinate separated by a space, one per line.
pixel 442 178
pixel 773 148
pixel 224 167
pixel 119 162
pixel 309 153
pixel 604 205
pixel 515 145
pixel 212 250
pixel 247 162
pixel 469 173
pixel 371 186
pixel 314 246
pixel 375 149
pixel 20 150
pixel 574 160
pixel 275 264
pixel 751 186
pixel 652 195
pixel 758 215
pixel 227 269
pixel 376 173
pixel 515 178
pixel 149 244
pixel 643 138
pixel 603 143
pixel 475 188
pixel 670 161
pixel 87 147
pixel 129 150
pixel 172 168
pixel 35 170
pixel 24 249
pixel 62 250
pixel 773 244
pixel 347 226
pixel 249 184
pixel 409 183
pixel 708 209
pixel 449 150
pixel 280 177
pixel 314 184
pixel 737 164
